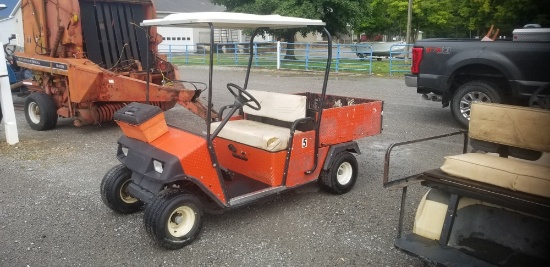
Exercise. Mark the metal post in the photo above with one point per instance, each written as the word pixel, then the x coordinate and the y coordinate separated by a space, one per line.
pixel 337 57
pixel 370 61
pixel 307 55
pixel 8 112
pixel 449 220
pixel 321 103
pixel 147 66
pixel 218 53
pixel 256 54
pixel 278 55
pixel 187 54
pixel 236 54
pixel 402 212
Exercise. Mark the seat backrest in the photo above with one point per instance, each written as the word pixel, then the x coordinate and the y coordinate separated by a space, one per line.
pixel 283 107
pixel 515 126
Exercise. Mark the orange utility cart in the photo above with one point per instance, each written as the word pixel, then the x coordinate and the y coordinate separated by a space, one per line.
pixel 262 144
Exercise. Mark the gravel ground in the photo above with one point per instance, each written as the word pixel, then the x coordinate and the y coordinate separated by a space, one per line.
pixel 51 212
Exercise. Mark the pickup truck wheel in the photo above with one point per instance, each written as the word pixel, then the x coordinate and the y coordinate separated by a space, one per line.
pixel 174 218
pixel 341 174
pixel 114 191
pixel 40 111
pixel 471 92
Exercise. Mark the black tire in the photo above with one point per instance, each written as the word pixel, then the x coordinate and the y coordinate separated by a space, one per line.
pixel 360 55
pixel 540 98
pixel 163 211
pixel 114 193
pixel 1 116
pixel 40 111
pixel 341 175
pixel 474 91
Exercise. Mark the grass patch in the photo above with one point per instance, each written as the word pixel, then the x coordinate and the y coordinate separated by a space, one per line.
pixel 318 63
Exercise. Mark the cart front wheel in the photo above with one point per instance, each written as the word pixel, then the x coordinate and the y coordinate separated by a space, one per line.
pixel 341 175
pixel 173 219
pixel 114 191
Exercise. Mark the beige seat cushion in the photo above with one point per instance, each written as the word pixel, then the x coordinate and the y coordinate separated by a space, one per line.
pixel 284 107
pixel 507 173
pixel 256 134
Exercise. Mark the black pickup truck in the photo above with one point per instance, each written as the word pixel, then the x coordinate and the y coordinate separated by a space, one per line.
pixel 458 72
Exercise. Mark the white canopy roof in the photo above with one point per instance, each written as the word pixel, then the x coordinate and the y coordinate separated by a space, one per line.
pixel 229 20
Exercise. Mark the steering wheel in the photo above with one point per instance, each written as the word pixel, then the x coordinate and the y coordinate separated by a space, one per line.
pixel 244 98
pixel 541 97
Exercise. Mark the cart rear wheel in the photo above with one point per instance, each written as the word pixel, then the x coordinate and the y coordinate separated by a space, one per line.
pixel 341 175
pixel 40 111
pixel 174 218
pixel 114 191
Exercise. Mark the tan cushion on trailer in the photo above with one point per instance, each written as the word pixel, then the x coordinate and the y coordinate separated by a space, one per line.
pixel 511 125
pixel 278 106
pixel 256 134
pixel 504 172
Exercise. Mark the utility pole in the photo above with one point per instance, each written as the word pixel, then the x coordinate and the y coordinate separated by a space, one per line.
pixel 409 22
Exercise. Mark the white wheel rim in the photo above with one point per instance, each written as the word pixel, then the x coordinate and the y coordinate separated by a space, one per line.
pixel 125 196
pixel 181 221
pixel 344 173
pixel 34 112
pixel 470 98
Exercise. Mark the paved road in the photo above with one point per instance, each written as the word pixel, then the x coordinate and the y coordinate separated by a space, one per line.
pixel 51 213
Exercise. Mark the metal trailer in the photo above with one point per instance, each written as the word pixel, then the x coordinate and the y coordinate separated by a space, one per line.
pixel 490 207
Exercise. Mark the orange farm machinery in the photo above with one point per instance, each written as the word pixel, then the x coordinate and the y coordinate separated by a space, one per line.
pixel 91 58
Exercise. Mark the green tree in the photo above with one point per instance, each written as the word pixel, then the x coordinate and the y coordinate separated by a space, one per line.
pixel 336 13
pixel 374 18
pixel 506 15
pixel 452 18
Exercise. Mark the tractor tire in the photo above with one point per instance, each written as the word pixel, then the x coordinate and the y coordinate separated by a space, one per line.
pixel 114 194
pixel 341 174
pixel 174 218
pixel 470 92
pixel 40 111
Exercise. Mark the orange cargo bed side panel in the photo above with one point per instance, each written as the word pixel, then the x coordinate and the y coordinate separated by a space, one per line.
pixel 347 123
pixel 194 157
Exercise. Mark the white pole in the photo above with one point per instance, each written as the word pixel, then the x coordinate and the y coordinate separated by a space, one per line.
pixel 278 55
pixel 7 103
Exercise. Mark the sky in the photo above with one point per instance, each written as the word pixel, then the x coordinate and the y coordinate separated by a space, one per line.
pixel 6 12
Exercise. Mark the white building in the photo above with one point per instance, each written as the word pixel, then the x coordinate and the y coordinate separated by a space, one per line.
pixel 13 24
